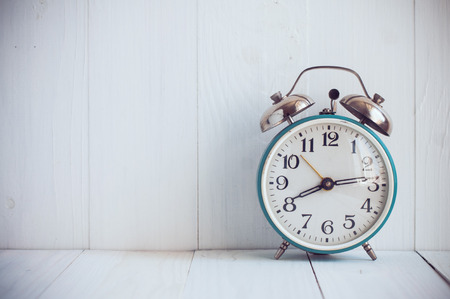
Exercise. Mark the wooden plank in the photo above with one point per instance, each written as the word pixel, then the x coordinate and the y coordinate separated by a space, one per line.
pixel 250 274
pixel 395 274
pixel 240 66
pixel 262 51
pixel 27 273
pixel 382 52
pixel 109 274
pixel 143 109
pixel 43 127
pixel 432 124
pixel 439 260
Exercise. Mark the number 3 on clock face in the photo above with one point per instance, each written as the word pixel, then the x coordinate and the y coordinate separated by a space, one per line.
pixel 327 184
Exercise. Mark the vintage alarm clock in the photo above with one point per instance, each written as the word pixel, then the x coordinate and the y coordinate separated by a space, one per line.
pixel 327 183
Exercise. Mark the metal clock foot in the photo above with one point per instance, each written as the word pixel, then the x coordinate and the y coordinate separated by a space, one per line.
pixel 369 251
pixel 282 249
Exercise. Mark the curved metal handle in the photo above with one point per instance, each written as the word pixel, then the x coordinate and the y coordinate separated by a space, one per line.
pixel 330 67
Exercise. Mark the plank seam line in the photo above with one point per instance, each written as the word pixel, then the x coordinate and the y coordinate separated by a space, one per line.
pixel 435 270
pixel 197 124
pixel 415 126
pixel 315 276
pixel 188 272
pixel 59 275
pixel 88 66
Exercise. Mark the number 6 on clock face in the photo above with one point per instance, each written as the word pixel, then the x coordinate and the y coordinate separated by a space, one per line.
pixel 326 184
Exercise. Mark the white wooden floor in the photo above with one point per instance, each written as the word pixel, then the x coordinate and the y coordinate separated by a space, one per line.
pixel 222 274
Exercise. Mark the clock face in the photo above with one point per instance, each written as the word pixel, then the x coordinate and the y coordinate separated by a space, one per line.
pixel 327 184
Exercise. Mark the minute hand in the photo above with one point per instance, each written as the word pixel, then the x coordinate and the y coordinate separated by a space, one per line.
pixel 350 181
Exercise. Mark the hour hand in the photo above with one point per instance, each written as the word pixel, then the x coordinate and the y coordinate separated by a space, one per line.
pixel 350 181
pixel 310 191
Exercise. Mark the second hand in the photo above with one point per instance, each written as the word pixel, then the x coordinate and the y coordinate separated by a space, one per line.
pixel 315 170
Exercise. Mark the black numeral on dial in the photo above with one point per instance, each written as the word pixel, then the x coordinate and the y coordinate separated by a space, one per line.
pixel 289 205
pixel 366 206
pixel 327 227
pixel 307 220
pixel 282 182
pixel 349 222
pixel 353 146
pixel 291 162
pixel 330 139
pixel 374 187
pixel 367 162
pixel 308 145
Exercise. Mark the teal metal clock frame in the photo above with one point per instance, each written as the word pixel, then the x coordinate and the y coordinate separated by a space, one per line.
pixel 290 127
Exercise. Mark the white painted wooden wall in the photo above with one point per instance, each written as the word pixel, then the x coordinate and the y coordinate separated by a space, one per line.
pixel 135 124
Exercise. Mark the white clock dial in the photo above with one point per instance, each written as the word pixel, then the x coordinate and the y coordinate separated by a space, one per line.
pixel 327 184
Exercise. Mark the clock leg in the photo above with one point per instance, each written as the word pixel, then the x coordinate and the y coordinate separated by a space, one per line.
pixel 282 249
pixel 369 251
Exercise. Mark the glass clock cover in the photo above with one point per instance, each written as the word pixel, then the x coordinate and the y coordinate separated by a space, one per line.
pixel 327 184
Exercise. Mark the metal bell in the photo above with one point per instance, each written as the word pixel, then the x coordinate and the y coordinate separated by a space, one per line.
pixel 283 108
pixel 369 112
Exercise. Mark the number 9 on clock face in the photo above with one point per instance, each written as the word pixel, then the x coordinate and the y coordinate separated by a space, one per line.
pixel 326 184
